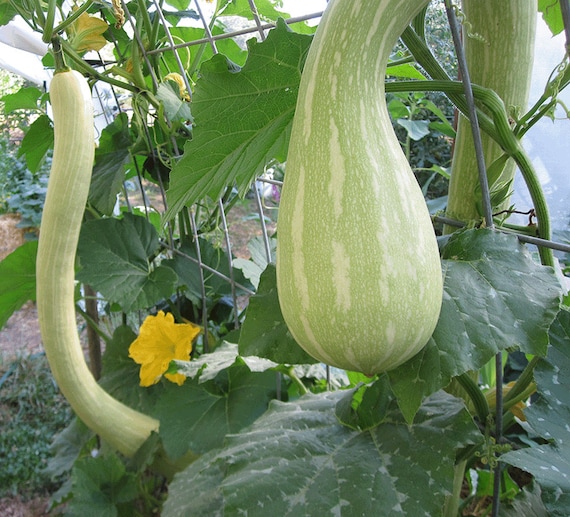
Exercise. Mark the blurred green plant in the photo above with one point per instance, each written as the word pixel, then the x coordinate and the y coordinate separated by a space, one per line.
pixel 32 411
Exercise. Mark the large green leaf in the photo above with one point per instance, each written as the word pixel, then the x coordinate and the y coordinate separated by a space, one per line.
pixel 37 142
pixel 495 297
pixel 298 460
pixel 100 485
pixel 208 366
pixel 242 118
pixel 111 156
pixel 120 376
pixel 186 265
pixel 549 416
pixel 17 279
pixel 264 332
pixel 115 256
pixel 7 12
pixel 24 98
pixel 265 8
pixel 552 15
pixel 197 416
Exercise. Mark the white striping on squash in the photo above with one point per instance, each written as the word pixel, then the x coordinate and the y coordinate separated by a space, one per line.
pixel 379 17
pixel 337 169
pixel 298 277
pixel 314 341
pixel 358 271
pixel 341 276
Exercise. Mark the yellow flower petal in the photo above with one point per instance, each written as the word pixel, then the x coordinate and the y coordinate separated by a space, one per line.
pixel 179 80
pixel 160 341
pixel 87 33
pixel 178 378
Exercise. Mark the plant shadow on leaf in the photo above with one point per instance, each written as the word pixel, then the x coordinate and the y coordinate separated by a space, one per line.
pixel 297 459
pixel 548 416
pixel 481 313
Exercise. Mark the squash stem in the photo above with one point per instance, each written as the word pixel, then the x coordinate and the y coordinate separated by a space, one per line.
pixel 476 395
pixel 48 25
pixel 522 384
pixel 72 17
pixel 452 502
pixel 90 71
pixel 501 132
pixel 473 120
pixel 59 58
pixel 298 382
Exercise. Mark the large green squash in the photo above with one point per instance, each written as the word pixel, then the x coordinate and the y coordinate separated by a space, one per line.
pixel 358 269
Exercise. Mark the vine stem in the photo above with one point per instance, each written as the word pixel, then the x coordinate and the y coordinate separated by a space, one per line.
pixel 92 72
pixel 49 20
pixel 298 382
pixel 523 382
pixel 476 395
pixel 72 17
pixel 500 130
pixel 473 119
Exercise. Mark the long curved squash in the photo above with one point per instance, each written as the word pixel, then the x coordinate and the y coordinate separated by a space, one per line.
pixel 358 269
pixel 122 427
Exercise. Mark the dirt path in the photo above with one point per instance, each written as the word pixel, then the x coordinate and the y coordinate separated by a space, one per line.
pixel 21 335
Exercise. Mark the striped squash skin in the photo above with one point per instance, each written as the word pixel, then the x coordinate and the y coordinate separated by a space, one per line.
pixel 501 58
pixel 358 269
pixel 74 146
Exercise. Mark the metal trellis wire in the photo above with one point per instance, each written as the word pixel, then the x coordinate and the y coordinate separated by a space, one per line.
pixel 257 28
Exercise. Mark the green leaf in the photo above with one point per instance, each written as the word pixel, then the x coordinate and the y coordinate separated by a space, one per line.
pixel 186 266
pixel 37 142
pixel 527 502
pixel 175 108
pixel 444 128
pixel 365 406
pixel 265 8
pixel 297 459
pixel 17 279
pixel 181 5
pixel 99 485
pixel 23 99
pixel 67 447
pixel 242 119
pixel 111 156
pixel 264 332
pixel 416 129
pixel 398 109
pixel 549 416
pixel 197 416
pixel 115 259
pixel 495 298
pixel 7 12
pixel 407 70
pixel 208 366
pixel 552 15
pixel 254 267
pixel 120 375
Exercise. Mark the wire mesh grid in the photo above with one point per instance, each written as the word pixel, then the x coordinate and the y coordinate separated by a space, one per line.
pixel 113 102
pixel 151 198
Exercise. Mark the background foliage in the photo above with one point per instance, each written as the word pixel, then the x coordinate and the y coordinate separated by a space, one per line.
pixel 270 427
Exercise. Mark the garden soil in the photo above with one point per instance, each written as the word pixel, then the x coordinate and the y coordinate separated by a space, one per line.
pixel 21 336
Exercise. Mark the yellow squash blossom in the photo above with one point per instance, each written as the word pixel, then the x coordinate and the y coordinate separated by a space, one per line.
pixel 87 33
pixel 179 80
pixel 160 341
